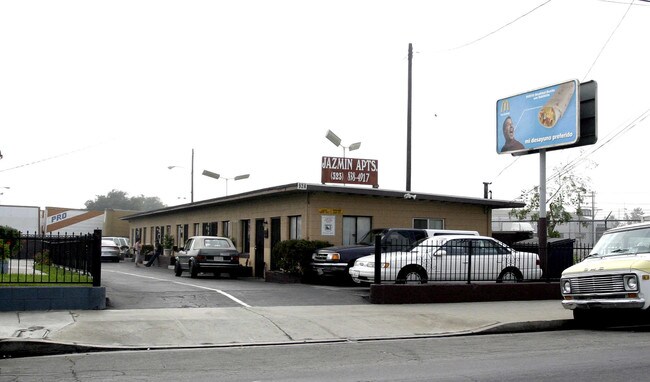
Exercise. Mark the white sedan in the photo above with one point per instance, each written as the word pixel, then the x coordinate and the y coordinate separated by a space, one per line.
pixel 451 258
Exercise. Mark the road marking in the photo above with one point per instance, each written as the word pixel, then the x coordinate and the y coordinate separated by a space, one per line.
pixel 233 298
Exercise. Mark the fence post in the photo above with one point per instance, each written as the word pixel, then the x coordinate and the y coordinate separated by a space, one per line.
pixel 96 258
pixel 377 259
pixel 469 262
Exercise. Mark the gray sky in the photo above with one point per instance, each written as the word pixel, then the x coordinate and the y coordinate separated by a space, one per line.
pixel 106 95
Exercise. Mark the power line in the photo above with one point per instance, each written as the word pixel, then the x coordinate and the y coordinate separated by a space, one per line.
pixel 608 39
pixel 502 27
pixel 48 158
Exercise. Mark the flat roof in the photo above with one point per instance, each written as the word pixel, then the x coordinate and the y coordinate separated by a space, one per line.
pixel 299 188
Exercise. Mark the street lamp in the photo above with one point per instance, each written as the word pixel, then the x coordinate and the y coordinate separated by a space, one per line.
pixel 337 142
pixel 214 175
pixel 191 177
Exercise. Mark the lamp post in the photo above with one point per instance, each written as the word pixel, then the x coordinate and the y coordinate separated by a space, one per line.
pixel 214 175
pixel 337 142
pixel 191 177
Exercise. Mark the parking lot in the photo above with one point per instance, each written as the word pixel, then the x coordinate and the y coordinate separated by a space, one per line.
pixel 130 287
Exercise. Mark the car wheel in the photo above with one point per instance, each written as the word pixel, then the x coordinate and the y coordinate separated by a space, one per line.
pixel 412 274
pixel 178 271
pixel 510 275
pixel 194 271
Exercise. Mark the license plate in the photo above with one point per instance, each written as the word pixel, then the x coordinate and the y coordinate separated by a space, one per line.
pixel 217 258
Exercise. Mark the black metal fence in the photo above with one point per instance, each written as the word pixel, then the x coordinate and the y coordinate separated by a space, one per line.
pixel 51 259
pixel 469 260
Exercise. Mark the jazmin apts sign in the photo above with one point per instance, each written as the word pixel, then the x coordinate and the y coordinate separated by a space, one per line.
pixel 350 171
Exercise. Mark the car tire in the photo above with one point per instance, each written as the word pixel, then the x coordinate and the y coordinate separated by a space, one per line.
pixel 412 274
pixel 178 271
pixel 510 275
pixel 194 271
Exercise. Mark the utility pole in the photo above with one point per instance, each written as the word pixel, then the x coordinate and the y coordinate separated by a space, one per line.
pixel 192 179
pixel 408 123
pixel 593 217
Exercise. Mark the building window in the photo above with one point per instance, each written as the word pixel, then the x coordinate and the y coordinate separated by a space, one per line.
pixel 354 227
pixel 179 235
pixel 425 223
pixel 197 229
pixel 225 228
pixel 210 229
pixel 295 227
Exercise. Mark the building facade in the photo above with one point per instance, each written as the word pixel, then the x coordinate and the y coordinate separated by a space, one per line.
pixel 257 220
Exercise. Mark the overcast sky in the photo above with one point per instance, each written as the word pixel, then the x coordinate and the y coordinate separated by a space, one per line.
pixel 102 95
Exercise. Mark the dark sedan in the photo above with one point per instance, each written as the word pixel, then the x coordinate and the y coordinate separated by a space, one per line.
pixel 212 254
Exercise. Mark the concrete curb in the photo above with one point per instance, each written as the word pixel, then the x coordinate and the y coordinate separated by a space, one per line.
pixel 20 348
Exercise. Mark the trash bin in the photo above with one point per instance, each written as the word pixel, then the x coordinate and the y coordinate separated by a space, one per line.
pixel 559 253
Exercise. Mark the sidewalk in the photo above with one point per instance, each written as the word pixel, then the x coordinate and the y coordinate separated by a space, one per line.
pixel 55 332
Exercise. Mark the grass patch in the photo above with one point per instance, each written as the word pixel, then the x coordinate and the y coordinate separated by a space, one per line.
pixel 49 276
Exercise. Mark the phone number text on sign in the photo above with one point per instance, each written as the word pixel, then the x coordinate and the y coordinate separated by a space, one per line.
pixel 350 170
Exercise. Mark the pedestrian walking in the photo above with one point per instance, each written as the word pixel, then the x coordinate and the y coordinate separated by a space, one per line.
pixel 157 252
pixel 137 248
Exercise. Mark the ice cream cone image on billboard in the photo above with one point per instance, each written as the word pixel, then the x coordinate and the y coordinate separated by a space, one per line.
pixel 553 110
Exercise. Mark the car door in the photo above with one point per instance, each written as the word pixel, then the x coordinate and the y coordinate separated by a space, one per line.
pixel 489 258
pixel 183 255
pixel 449 261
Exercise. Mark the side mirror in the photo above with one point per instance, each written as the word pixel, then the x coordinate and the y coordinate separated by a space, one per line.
pixel 441 252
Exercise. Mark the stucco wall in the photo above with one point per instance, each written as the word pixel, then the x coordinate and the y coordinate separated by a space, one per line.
pixel 384 211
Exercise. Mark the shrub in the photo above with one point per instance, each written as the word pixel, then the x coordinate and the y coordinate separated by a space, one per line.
pixel 43 258
pixel 293 256
pixel 9 241
pixel 146 249
pixel 168 241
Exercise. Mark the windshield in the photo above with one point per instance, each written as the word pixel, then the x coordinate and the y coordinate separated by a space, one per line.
pixel 369 238
pixel 623 243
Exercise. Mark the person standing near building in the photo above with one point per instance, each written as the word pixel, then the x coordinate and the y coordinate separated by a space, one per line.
pixel 137 248
pixel 156 253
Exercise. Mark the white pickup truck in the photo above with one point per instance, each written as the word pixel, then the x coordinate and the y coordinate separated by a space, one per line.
pixel 615 275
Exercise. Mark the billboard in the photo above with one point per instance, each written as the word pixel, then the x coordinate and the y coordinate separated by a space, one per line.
pixel 350 171
pixel 540 119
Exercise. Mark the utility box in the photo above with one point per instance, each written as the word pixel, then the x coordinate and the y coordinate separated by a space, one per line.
pixel 559 253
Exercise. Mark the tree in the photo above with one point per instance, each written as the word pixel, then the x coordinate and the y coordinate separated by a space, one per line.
pixel 566 190
pixel 119 200
pixel 636 214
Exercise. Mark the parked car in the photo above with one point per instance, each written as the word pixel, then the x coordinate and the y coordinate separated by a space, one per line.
pixel 212 254
pixel 335 262
pixel 122 242
pixel 615 275
pixel 447 258
pixel 110 251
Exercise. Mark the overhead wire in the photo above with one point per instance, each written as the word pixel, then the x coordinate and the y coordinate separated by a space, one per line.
pixel 614 134
pixel 502 27
pixel 48 158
